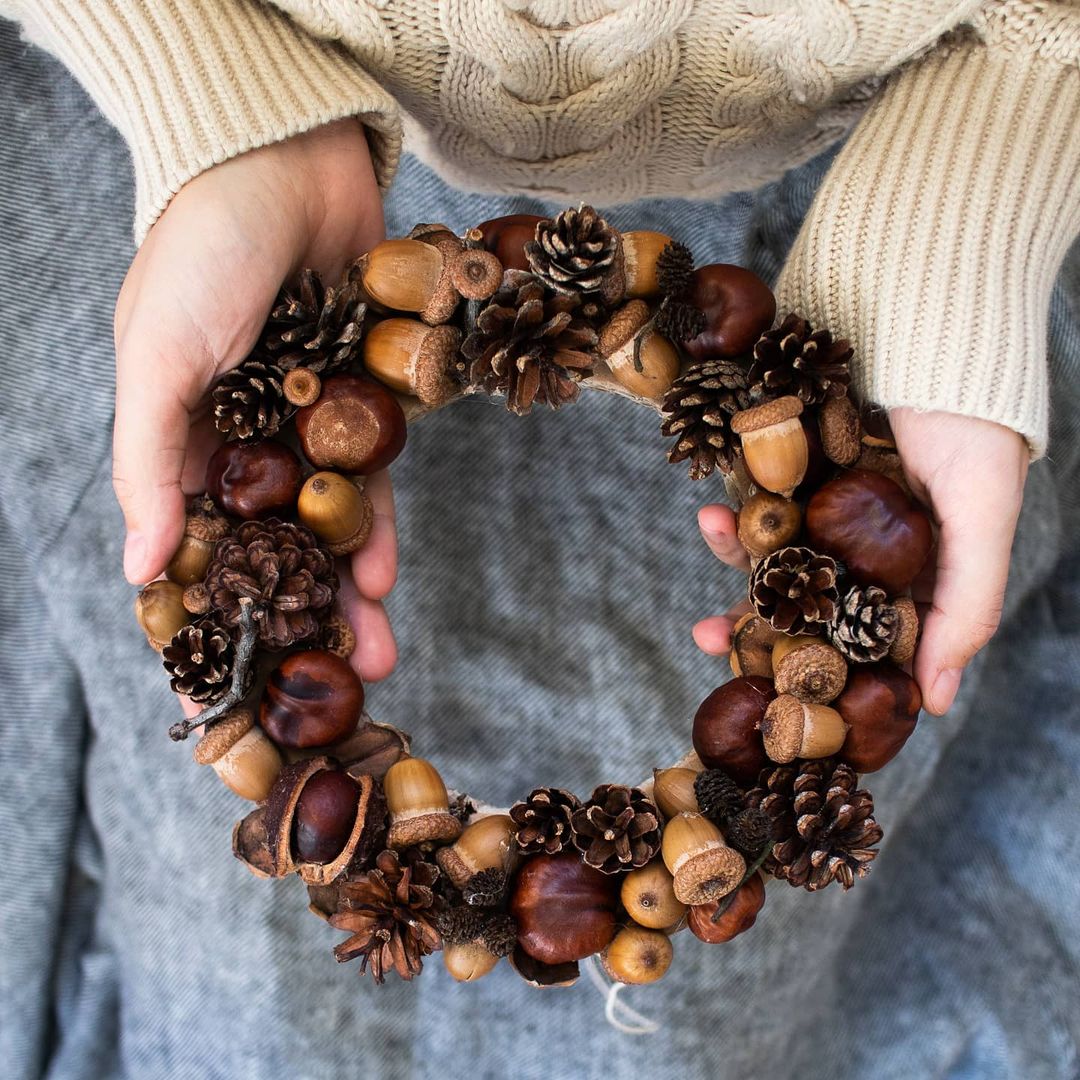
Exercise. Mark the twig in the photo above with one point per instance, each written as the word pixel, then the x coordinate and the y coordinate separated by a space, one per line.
pixel 730 898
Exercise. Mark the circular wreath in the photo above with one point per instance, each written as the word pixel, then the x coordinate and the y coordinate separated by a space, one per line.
pixel 533 309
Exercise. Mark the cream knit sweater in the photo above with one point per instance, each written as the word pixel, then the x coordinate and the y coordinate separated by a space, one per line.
pixel 933 243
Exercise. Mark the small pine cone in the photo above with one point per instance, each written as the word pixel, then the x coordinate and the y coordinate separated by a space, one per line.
pixel 718 796
pixel 674 266
pixel 500 934
pixel 823 828
pixel 316 327
pixel 543 820
pixel 574 251
pixel 749 832
pixel 796 359
pixel 864 625
pixel 698 409
pixel 794 589
pixel 486 888
pixel 459 925
pixel 200 659
pixel 249 400
pixel 678 321
pixel 618 828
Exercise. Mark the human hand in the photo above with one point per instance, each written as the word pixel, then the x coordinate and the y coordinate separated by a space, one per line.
pixel 191 307
pixel 970 474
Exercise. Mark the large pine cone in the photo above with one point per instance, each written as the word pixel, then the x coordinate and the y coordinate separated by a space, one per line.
pixel 618 828
pixel 249 400
pixel 796 359
pixel 280 567
pixel 575 251
pixel 865 624
pixel 794 589
pixel 392 913
pixel 698 409
pixel 316 327
pixel 823 828
pixel 531 345
pixel 200 659
pixel 543 820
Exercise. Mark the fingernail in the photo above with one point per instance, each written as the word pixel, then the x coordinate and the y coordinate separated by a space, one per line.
pixel 944 690
pixel 134 556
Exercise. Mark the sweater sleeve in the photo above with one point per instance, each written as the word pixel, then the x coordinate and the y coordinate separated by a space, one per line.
pixel 935 239
pixel 191 83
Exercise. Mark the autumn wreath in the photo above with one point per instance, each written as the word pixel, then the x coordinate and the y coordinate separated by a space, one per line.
pixel 532 310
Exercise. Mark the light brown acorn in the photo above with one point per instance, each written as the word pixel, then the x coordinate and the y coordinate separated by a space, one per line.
pixel 413 358
pixel 419 806
pixel 484 844
pixel 241 754
pixel 796 729
pixel 673 790
pixel 640 250
pixel 808 668
pixel 774 443
pixel 659 359
pixel 336 511
pixel 468 961
pixel 637 956
pixel 704 868
pixel 410 275
pixel 767 522
pixel 160 611
pixel 648 894
pixel 189 563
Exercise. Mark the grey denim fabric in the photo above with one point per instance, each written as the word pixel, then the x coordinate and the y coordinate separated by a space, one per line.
pixel 550 573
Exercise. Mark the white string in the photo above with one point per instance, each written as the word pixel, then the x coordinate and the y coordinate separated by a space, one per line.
pixel 634 1023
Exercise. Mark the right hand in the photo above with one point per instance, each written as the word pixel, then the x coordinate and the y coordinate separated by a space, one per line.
pixel 191 307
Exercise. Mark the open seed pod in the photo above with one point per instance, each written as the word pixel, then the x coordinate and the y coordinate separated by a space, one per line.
pixel 250 846
pixel 371 749
pixel 752 641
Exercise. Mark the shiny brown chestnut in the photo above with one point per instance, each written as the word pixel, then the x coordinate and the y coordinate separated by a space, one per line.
pixel 726 734
pixel 880 703
pixel 872 526
pixel 737 918
pixel 739 307
pixel 312 698
pixel 356 426
pixel 507 236
pixel 324 817
pixel 565 910
pixel 254 479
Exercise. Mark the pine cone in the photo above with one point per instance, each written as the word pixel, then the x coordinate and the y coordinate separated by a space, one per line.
pixel 864 625
pixel 794 589
pixel 678 321
pixel 530 345
pixel 543 820
pixel 618 828
pixel 249 400
pixel 391 913
pixel 674 267
pixel 199 659
pixel 282 568
pixel 698 409
pixel 495 930
pixel 748 832
pixel 500 935
pixel 574 251
pixel 823 828
pixel 316 327
pixel 718 796
pixel 796 359
pixel 485 888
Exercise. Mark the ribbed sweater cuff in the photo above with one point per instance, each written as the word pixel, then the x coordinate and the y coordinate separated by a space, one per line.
pixel 192 83
pixel 935 239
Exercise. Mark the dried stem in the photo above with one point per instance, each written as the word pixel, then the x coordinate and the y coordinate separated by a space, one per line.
pixel 245 651
pixel 751 871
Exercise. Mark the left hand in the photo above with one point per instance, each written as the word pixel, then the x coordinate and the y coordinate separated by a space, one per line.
pixel 970 474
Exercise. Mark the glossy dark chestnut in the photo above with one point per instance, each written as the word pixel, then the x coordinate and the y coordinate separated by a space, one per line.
pixel 737 918
pixel 739 307
pixel 324 817
pixel 507 237
pixel 312 698
pixel 880 704
pixel 726 732
pixel 254 479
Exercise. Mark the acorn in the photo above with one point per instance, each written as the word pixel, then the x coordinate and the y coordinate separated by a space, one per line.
pixel 808 668
pixel 312 698
pixel 673 790
pixel 739 307
pixel 507 236
pixel 484 844
pixel 356 426
pixel 160 611
pixel 796 729
pixel 468 961
pixel 410 275
pixel 736 918
pixel 840 430
pixel 726 734
pixel 256 479
pixel 767 522
pixel 648 894
pixel 752 641
pixel 336 511
pixel 774 443
pixel 419 806
pixel 640 250
pixel 192 558
pixel 659 359
pixel 704 868
pixel 637 956
pixel 414 358
pixel 881 705
pixel 241 754
pixel 907 632
pixel 474 272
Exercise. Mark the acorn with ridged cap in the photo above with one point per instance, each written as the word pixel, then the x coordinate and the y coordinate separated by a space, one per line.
pixel 419 805
pixel 774 444
pixel 704 868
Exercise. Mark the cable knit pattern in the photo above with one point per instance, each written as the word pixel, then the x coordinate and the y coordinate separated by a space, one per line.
pixel 933 243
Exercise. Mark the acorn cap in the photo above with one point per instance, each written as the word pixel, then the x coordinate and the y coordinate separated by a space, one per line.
pixel 766 415
pixel 907 630
pixel 709 874
pixel 814 671
pixel 782 728
pixel 841 432
pixel 250 846
pixel 444 300
pixel 301 387
pixel 438 827
pixel 221 738
pixel 752 639
pixel 436 355
pixel 622 326
pixel 476 273
pixel 203 526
